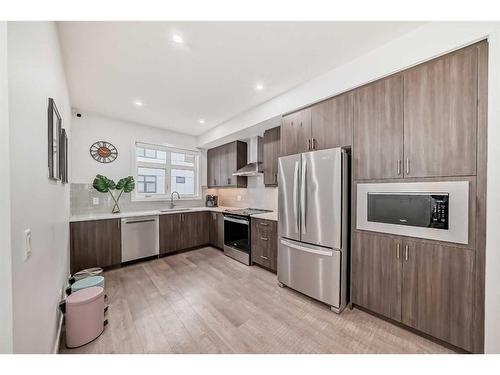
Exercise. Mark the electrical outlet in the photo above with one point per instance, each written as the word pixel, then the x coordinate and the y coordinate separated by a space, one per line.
pixel 95 201
pixel 238 198
pixel 27 244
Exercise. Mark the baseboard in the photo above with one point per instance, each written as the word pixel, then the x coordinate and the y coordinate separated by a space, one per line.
pixel 55 350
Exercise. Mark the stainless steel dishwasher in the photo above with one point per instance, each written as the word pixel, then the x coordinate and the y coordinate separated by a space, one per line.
pixel 140 237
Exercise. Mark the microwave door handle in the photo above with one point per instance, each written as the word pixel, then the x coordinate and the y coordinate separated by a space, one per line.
pixel 303 195
pixel 295 195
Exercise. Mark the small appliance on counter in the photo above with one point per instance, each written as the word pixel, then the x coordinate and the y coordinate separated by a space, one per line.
pixel 211 200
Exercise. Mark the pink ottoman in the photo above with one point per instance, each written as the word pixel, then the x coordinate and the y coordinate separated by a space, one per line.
pixel 84 316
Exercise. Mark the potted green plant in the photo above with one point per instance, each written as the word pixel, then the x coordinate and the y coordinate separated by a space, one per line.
pixel 105 185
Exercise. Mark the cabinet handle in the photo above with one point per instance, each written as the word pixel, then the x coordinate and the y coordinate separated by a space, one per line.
pixel 264 224
pixel 313 142
pixel 275 177
pixel 406 252
pixel 308 141
pixel 398 251
pixel 264 238
pixel 229 181
pixel 263 257
pixel 407 165
pixel 399 166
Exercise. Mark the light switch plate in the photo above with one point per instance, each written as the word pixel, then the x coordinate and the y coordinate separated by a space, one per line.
pixel 27 243
pixel 238 198
pixel 95 201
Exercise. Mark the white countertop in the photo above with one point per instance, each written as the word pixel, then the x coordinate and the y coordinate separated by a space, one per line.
pixel 267 216
pixel 103 216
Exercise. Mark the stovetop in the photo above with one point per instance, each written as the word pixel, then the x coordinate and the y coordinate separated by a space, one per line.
pixel 247 211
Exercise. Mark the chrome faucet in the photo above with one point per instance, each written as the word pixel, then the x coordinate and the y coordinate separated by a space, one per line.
pixel 172 205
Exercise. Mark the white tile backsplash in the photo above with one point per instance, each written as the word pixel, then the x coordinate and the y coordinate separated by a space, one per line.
pixel 255 195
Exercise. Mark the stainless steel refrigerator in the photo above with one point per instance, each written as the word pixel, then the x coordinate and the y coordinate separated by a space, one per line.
pixel 314 224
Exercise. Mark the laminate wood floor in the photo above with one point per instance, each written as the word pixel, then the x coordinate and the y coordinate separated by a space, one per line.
pixel 204 302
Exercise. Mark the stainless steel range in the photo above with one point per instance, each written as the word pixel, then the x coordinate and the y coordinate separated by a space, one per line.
pixel 237 233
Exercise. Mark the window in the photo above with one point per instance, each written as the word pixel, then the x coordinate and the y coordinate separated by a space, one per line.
pixel 160 170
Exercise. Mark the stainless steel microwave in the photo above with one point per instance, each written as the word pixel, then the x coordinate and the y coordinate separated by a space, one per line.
pixel 432 210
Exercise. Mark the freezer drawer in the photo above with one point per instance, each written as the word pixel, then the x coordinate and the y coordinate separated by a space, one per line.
pixel 312 270
pixel 140 237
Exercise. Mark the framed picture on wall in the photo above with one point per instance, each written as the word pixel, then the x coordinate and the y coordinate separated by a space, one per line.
pixel 54 141
pixel 64 156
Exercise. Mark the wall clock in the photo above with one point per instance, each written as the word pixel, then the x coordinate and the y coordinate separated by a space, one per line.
pixel 103 152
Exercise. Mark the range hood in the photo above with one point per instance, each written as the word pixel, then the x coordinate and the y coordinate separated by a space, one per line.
pixel 254 166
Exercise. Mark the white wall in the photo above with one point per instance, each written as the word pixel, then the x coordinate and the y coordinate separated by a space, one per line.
pixel 426 42
pixel 5 249
pixel 92 127
pixel 35 72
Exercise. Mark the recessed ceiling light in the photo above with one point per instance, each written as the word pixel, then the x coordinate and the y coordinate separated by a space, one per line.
pixel 201 121
pixel 259 87
pixel 138 103
pixel 177 39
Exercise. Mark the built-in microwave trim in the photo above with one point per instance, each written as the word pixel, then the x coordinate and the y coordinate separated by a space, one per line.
pixel 458 215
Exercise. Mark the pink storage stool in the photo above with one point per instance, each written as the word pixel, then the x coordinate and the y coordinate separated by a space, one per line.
pixel 84 316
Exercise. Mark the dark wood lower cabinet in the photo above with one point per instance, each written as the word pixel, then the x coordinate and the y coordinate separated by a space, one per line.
pixel 376 270
pixel 264 243
pixel 193 230
pixel 170 226
pixel 438 291
pixel 422 284
pixel 183 231
pixel 216 229
pixel 95 243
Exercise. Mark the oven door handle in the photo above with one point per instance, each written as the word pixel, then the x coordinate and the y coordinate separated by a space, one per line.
pixel 234 220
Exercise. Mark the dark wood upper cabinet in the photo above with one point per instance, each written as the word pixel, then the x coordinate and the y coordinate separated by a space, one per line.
pixel 170 227
pixel 331 122
pixel 377 273
pixel 438 291
pixel 95 243
pixel 440 116
pixel 271 154
pixel 296 132
pixel 378 130
pixel 213 166
pixel 223 161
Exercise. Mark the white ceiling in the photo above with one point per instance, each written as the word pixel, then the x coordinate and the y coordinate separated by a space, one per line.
pixel 213 74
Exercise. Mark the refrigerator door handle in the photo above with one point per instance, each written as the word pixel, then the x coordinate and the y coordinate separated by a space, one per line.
pixel 306 249
pixel 303 195
pixel 295 195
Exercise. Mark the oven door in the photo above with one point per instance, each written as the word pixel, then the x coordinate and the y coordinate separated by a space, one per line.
pixel 237 233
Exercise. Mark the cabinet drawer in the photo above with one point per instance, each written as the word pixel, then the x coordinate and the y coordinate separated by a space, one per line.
pixel 263 225
pixel 264 243
pixel 263 256
pixel 264 239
